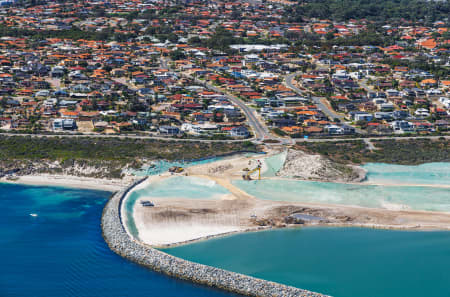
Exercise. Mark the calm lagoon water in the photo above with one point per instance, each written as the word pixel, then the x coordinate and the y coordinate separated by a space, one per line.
pixel 61 252
pixel 424 174
pixel 401 194
pixel 183 187
pixel 274 164
pixel 172 187
pixel 163 166
pixel 418 198
pixel 419 187
pixel 342 262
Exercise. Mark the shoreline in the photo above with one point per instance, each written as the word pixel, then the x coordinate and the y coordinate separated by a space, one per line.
pixel 144 254
pixel 186 214
pixel 105 184
pixel 361 183
pixel 413 227
pixel 69 181
pixel 164 230
pixel 164 233
pixel 417 228
pixel 121 243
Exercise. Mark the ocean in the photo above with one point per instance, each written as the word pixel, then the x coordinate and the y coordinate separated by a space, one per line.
pixel 60 251
pixel 51 243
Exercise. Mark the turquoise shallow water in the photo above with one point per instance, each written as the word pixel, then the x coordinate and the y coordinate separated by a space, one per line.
pixel 183 187
pixel 426 174
pixel 173 187
pixel 163 166
pixel 274 164
pixel 419 198
pixel 61 252
pixel 342 262
pixel 402 194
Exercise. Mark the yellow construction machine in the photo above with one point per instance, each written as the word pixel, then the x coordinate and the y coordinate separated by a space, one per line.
pixel 247 176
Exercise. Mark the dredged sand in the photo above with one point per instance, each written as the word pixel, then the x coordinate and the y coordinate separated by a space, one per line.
pixel 182 220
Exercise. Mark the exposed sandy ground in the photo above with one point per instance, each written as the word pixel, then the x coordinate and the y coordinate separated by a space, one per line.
pixel 71 181
pixel 179 221
pixel 396 183
pixel 305 166
pixel 176 221
pixel 231 168
pixel 85 126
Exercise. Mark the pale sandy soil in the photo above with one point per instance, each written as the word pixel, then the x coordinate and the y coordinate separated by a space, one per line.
pixel 71 181
pixel 394 184
pixel 179 221
pixel 231 168
pixel 162 226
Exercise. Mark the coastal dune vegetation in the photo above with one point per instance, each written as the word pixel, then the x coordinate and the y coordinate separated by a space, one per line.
pixel 391 151
pixel 100 157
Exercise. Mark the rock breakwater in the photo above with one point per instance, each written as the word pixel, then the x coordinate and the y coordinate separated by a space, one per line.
pixel 120 242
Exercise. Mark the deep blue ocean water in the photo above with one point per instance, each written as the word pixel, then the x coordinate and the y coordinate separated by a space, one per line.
pixel 61 252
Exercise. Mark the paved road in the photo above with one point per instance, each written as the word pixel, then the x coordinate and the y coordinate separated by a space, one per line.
pixel 330 113
pixel 227 140
pixel 163 62
pixel 317 100
pixel 260 130
pixel 363 83
pixel 368 139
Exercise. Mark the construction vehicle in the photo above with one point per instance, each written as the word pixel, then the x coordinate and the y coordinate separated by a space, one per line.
pixel 176 169
pixel 247 176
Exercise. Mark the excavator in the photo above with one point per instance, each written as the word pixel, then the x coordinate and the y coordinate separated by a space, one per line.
pixel 247 176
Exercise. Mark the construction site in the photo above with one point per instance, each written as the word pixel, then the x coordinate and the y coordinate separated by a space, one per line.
pixel 207 200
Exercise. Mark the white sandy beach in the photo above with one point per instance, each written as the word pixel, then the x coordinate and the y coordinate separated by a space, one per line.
pixel 171 234
pixel 176 230
pixel 71 181
pixel 181 220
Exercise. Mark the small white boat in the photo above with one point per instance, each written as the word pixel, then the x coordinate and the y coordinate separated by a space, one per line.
pixel 33 214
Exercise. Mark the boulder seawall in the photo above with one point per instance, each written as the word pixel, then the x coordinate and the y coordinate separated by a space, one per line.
pixel 121 243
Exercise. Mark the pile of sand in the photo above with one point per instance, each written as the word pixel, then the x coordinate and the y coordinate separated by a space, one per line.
pixel 301 165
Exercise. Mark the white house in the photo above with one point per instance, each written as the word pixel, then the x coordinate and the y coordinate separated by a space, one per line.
pixel 401 127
